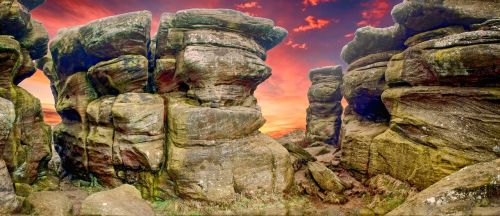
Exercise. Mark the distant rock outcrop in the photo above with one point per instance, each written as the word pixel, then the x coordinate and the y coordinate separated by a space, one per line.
pixel 424 95
pixel 325 108
pixel 24 137
pixel 174 111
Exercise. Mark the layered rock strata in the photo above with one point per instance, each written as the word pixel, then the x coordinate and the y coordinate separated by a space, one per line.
pixel 25 142
pixel 174 111
pixel 437 78
pixel 325 108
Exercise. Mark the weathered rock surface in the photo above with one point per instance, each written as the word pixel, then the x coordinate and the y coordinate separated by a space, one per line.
pixel 8 199
pixel 435 74
pixel 463 59
pixel 123 200
pixel 474 190
pixel 7 118
pixel 323 114
pixel 124 98
pixel 357 138
pixel 369 40
pixel 420 16
pixel 55 203
pixel 439 130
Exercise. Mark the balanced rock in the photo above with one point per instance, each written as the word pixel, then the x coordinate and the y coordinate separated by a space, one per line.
pixel 177 109
pixel 325 109
pixel 473 190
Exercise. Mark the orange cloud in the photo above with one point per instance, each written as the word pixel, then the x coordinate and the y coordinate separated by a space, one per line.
pixel 315 2
pixel 377 10
pixel 313 23
pixel 294 45
pixel 247 5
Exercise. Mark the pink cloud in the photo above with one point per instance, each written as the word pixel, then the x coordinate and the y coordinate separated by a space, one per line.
pixel 315 2
pixel 247 5
pixel 375 12
pixel 313 23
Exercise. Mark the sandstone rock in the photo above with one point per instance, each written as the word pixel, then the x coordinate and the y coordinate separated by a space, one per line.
pixel 26 68
pixel 68 54
pixel 36 40
pixel 357 137
pixel 70 142
pixel 388 193
pixel 472 190
pixel 127 73
pixel 74 94
pixel 420 16
pixel 14 18
pixel 124 200
pixel 138 120
pixel 217 172
pixel 491 24
pixel 111 37
pixel 194 125
pixel 222 84
pixel 100 140
pixel 433 34
pixel 465 59
pixel 164 77
pixel 11 58
pixel 7 118
pixel 229 19
pixel 325 178
pixel 8 201
pixel 438 130
pixel 364 82
pixel 54 203
pixel 370 40
pixel 323 114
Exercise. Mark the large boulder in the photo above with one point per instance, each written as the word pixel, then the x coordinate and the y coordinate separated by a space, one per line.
pixel 473 190
pixel 15 18
pixel 438 130
pixel 54 203
pixel 36 40
pixel 420 16
pixel 121 201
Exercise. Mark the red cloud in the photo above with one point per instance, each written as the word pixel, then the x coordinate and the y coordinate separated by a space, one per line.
pixel 377 10
pixel 315 2
pixel 313 23
pixel 350 35
pixel 294 45
pixel 247 5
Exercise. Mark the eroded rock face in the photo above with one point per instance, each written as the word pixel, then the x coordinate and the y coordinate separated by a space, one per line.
pixel 325 110
pixel 25 138
pixel 436 78
pixel 8 199
pixel 177 108
pixel 473 190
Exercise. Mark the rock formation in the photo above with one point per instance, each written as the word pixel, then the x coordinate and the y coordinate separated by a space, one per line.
pixel 423 94
pixel 473 190
pixel 325 109
pixel 24 137
pixel 174 111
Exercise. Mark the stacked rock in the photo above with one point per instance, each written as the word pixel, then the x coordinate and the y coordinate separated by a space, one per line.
pixel 111 129
pixel 178 109
pixel 441 90
pixel 24 137
pixel 211 62
pixel 325 109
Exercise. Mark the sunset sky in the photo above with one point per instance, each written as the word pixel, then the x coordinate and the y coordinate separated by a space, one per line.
pixel 317 31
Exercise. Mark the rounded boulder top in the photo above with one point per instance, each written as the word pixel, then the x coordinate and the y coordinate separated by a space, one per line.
pixel 328 71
